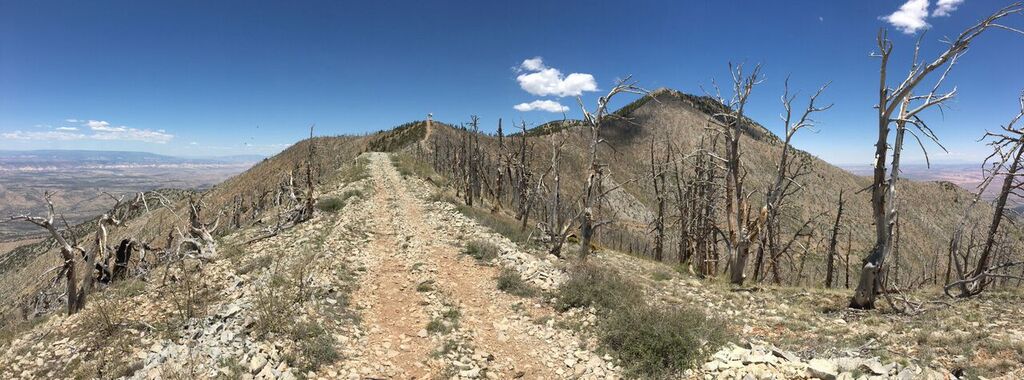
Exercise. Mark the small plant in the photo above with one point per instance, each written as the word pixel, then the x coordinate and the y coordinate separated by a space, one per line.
pixel 446 322
pixel 105 316
pixel 260 262
pixel 425 286
pixel 509 281
pixel 335 204
pixel 190 295
pixel 497 222
pixel 273 304
pixel 661 276
pixel 229 251
pixel 231 368
pixel 658 342
pixel 481 250
pixel 316 345
pixel 589 285
pixel 330 204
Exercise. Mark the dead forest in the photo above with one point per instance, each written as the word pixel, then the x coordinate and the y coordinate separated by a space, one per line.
pixel 707 216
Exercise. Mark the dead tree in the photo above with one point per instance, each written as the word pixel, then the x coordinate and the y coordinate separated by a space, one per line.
pixel 899 107
pixel 525 180
pixel 697 200
pixel 307 210
pixel 1006 162
pixel 498 189
pixel 787 175
pixel 594 192
pixel 200 233
pixel 743 227
pixel 833 240
pixel 108 219
pixel 557 226
pixel 658 224
pixel 68 252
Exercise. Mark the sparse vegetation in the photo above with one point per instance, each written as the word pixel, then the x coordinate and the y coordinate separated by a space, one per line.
pixel 659 341
pixel 425 286
pixel 506 226
pixel 316 345
pixel 652 340
pixel 510 281
pixel 594 286
pixel 444 323
pixel 482 250
pixel 335 204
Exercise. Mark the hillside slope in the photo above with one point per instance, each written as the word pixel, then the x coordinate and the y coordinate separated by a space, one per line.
pixel 387 287
pixel 929 211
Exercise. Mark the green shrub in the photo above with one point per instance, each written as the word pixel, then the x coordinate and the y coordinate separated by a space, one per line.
pixel 425 286
pixel 503 225
pixel 316 345
pixel 335 204
pixel 272 304
pixel 330 204
pixel 589 285
pixel 446 322
pixel 655 342
pixel 660 276
pixel 509 281
pixel 482 250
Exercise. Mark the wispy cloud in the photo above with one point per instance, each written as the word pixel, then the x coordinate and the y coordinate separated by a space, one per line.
pixel 541 80
pixel 910 17
pixel 541 105
pixel 946 7
pixel 99 130
pixel 45 135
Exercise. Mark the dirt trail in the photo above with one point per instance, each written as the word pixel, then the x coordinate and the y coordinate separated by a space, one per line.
pixel 411 253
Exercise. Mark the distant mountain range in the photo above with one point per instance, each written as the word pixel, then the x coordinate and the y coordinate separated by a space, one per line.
pixel 36 160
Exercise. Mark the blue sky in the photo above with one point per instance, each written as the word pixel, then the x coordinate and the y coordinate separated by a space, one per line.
pixel 217 78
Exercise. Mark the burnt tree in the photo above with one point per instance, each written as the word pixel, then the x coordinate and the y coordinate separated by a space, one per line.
pixel 900 108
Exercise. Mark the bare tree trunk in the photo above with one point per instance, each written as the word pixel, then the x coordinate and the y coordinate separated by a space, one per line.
pixel 594 191
pixel 68 252
pixel 833 240
pixel 900 98
pixel 1006 160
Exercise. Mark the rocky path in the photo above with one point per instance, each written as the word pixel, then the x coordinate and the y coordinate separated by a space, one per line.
pixel 421 277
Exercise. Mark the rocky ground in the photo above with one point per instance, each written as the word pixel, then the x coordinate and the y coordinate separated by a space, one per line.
pixel 383 289
pixel 811 332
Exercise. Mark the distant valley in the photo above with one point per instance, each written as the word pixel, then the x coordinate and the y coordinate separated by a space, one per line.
pixel 79 178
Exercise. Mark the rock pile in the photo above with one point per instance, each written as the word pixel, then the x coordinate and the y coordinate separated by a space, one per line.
pixel 759 361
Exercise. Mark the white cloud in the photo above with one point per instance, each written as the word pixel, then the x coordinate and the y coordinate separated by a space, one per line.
pixel 72 120
pixel 100 130
pixel 48 135
pixel 103 126
pixel 541 105
pixel 946 7
pixel 533 64
pixel 193 143
pixel 542 80
pixel 910 17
